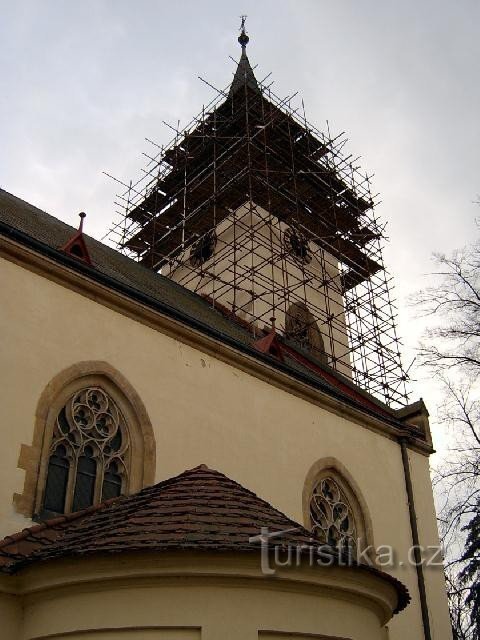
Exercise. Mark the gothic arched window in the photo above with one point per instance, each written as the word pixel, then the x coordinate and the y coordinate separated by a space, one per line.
pixel 92 440
pixel 89 453
pixel 332 517
pixel 300 326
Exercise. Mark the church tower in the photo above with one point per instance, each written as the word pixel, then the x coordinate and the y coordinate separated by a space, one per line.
pixel 265 217
pixel 205 429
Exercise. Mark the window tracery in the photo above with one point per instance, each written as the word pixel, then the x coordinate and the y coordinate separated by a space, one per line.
pixel 300 326
pixel 89 453
pixel 332 517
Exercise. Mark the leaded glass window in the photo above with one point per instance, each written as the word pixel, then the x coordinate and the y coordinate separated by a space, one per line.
pixel 332 517
pixel 57 479
pixel 89 453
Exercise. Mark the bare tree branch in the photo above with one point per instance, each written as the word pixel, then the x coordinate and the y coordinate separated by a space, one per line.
pixel 451 352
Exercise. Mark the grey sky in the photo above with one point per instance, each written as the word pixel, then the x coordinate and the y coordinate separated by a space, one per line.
pixel 82 84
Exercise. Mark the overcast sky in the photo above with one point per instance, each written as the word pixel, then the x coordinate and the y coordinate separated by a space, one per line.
pixel 83 83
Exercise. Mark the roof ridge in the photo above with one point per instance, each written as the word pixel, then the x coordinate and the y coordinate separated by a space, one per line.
pixel 215 472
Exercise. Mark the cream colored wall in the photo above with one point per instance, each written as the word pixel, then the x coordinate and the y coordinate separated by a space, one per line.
pixel 202 411
pixel 11 614
pixel 427 529
pixel 255 272
pixel 135 634
pixel 188 597
pixel 236 613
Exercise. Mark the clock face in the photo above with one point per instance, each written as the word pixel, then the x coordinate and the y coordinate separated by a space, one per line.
pixel 297 246
pixel 203 249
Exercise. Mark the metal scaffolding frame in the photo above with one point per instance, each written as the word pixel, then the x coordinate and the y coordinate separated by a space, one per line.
pixel 247 173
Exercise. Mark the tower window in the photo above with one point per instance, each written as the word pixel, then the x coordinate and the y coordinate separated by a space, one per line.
pixel 300 326
pixel 297 246
pixel 203 249
pixel 89 452
pixel 332 518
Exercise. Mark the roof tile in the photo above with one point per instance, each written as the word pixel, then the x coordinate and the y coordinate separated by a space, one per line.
pixel 199 510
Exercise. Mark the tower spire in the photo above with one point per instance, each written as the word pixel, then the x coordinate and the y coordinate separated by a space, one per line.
pixel 244 75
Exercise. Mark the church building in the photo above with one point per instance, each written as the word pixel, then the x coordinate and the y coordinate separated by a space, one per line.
pixel 206 430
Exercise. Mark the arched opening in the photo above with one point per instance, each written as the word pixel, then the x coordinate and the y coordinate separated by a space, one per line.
pixel 301 328
pixel 203 249
pixel 90 453
pixel 92 441
pixel 334 509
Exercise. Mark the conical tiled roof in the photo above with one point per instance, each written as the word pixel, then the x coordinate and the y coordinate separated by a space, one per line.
pixel 199 510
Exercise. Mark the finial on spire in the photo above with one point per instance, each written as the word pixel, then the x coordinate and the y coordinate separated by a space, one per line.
pixel 244 76
pixel 243 39
pixel 82 215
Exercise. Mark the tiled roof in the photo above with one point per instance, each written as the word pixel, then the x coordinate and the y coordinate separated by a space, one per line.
pixel 198 510
pixel 54 234
pixel 28 224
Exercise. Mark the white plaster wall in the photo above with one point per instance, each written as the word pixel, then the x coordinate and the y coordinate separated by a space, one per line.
pixel 261 267
pixel 202 411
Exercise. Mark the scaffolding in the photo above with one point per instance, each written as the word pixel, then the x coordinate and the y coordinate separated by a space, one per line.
pixel 265 216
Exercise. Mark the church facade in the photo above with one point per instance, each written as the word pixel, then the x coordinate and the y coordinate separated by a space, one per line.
pixel 206 438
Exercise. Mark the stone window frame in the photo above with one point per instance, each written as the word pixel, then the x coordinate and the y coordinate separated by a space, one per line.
pixel 333 468
pixel 34 458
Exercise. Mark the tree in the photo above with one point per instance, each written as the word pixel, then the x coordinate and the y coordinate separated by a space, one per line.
pixel 470 574
pixel 451 350
pixel 454 344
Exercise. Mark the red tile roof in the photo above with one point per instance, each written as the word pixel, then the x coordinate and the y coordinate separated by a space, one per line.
pixel 199 510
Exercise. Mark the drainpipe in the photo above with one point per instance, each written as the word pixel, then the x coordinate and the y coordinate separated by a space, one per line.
pixel 416 548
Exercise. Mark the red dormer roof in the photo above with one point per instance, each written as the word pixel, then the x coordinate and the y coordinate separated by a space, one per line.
pixel 76 246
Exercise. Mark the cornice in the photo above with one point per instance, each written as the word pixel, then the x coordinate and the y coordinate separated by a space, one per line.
pixel 80 278
pixel 100 572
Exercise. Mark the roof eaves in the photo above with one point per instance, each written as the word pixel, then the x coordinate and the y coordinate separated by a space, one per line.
pixel 128 290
